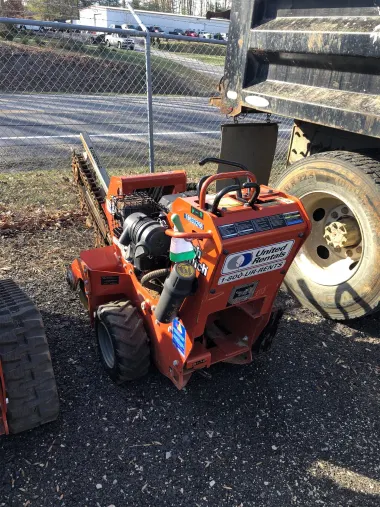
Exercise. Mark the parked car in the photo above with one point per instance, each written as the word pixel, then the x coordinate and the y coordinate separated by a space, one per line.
pixel 191 33
pixel 205 35
pixel 124 26
pixel 177 31
pixel 155 29
pixel 119 41
pixel 97 38
pixel 218 36
pixel 32 28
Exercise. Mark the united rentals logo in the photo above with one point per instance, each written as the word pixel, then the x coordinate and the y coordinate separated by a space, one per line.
pixel 264 255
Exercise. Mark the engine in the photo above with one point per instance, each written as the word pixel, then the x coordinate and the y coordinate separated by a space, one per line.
pixel 145 243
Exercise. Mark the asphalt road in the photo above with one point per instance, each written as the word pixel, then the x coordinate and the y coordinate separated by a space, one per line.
pixel 32 119
pixel 298 427
pixel 44 127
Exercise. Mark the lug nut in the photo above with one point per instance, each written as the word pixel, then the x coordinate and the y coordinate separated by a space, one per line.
pixel 334 214
pixel 349 253
pixel 359 249
pixel 344 210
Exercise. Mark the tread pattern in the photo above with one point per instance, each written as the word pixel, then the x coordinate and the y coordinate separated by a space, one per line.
pixel 367 161
pixel 130 340
pixel 24 352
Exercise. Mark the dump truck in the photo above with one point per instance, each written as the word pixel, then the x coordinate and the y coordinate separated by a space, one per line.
pixel 318 63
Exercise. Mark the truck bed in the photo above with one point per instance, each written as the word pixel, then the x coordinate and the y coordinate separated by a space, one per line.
pixel 312 60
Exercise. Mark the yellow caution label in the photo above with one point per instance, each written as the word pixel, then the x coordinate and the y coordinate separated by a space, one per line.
pixel 185 270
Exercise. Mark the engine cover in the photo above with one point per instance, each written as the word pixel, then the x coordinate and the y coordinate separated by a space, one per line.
pixel 146 243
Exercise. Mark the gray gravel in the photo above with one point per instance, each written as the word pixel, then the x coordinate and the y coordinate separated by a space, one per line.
pixel 300 426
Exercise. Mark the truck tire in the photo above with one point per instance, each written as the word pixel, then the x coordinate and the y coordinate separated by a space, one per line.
pixel 123 344
pixel 26 363
pixel 337 271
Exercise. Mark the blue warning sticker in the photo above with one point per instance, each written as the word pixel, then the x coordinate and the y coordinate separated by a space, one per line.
pixel 179 336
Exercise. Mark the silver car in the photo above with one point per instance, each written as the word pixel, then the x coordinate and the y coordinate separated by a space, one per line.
pixel 119 41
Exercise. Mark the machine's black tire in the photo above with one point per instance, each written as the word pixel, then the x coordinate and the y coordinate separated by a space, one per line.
pixel 353 178
pixel 25 358
pixel 128 339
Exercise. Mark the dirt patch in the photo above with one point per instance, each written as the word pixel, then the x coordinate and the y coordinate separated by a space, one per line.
pixel 37 219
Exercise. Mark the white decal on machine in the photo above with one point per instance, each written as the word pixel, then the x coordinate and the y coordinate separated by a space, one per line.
pixel 251 258
pixel 247 273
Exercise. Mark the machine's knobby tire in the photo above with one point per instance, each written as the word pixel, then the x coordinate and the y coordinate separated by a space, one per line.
pixel 25 358
pixel 354 179
pixel 129 341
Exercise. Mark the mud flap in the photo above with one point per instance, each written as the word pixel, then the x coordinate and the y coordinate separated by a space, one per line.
pixel 251 144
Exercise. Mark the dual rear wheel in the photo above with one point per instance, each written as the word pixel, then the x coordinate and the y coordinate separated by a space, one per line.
pixel 337 272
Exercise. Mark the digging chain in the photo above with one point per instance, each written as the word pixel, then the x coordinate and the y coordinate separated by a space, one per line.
pixel 91 198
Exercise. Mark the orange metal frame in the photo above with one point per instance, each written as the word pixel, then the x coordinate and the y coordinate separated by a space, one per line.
pixel 215 329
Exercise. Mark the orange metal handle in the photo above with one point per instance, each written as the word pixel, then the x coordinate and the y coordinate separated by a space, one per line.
pixel 188 235
pixel 222 176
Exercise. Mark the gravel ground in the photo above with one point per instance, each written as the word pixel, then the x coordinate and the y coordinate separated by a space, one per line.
pixel 300 426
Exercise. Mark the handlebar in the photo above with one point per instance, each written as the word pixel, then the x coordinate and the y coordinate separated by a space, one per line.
pixel 214 160
pixel 222 193
pixel 256 194
pixel 222 176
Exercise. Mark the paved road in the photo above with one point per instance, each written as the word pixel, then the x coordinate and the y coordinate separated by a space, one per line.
pixel 48 125
pixel 29 119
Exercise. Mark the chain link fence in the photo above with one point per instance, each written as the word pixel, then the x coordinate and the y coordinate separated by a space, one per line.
pixel 56 82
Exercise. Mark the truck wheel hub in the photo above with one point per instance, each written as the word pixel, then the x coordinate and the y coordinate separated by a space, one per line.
pixel 343 234
pixel 333 252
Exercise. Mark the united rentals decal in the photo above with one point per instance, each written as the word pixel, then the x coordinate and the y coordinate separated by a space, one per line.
pixel 270 254
pixel 194 221
pixel 248 273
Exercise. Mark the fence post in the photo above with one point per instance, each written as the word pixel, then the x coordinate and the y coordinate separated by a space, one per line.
pixel 149 100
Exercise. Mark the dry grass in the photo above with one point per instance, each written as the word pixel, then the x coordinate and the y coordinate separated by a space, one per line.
pixel 48 200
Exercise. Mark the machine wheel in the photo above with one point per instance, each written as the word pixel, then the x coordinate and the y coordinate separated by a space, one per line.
pixel 25 361
pixel 122 341
pixel 337 271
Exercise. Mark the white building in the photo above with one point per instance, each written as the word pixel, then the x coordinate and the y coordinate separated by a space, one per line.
pixel 102 16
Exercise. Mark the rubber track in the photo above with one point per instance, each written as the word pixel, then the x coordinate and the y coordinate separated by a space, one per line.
pixel 24 352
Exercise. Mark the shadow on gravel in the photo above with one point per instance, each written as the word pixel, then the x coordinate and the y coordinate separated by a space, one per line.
pixel 297 427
